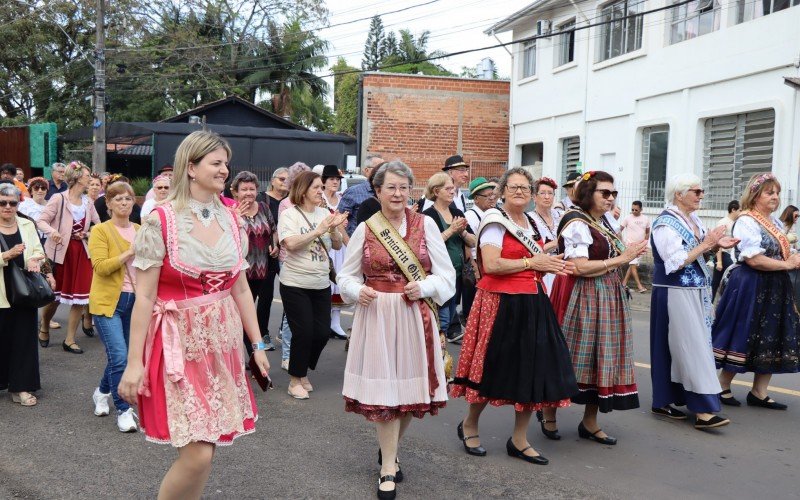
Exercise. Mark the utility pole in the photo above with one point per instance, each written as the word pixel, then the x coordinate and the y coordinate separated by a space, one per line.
pixel 99 150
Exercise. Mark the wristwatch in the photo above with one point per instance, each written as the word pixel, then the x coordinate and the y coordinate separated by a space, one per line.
pixel 259 346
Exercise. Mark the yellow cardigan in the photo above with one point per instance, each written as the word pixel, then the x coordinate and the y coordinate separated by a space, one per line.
pixel 33 248
pixel 105 247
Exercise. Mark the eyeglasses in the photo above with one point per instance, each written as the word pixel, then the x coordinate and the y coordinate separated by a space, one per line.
pixel 5 203
pixel 546 194
pixel 606 193
pixel 403 188
pixel 460 169
pixel 282 179
pixel 161 188
pixel 521 189
pixel 697 192
pixel 489 196
pixel 39 188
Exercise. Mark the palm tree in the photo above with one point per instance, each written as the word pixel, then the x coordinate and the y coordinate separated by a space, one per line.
pixel 411 55
pixel 286 64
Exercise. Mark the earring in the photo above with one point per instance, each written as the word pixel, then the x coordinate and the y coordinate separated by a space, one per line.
pixel 191 179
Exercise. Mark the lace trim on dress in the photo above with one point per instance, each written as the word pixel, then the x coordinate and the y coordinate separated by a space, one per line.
pixel 378 413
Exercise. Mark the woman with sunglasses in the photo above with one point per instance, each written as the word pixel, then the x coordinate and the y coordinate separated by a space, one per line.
pixel 66 220
pixel 34 205
pixel 161 190
pixel 683 371
pixel 756 326
pixel 546 219
pixel 597 318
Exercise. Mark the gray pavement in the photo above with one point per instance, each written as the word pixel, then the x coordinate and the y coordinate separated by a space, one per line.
pixel 313 449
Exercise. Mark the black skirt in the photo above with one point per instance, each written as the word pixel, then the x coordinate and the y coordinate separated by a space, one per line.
pixel 527 359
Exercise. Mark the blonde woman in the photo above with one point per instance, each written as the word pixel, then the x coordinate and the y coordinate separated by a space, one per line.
pixel 185 356
pixel 66 221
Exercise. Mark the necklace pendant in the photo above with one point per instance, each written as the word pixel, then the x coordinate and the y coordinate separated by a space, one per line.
pixel 205 213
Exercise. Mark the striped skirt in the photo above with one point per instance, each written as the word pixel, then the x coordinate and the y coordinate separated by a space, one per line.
pixel 598 329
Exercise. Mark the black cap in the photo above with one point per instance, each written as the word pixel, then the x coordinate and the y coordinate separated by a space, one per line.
pixel 331 171
pixel 454 161
pixel 571 178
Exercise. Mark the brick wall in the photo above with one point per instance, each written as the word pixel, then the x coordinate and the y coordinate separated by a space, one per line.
pixel 422 120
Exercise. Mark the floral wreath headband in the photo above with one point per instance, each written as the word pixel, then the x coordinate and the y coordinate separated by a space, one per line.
pixel 761 179
pixel 588 175
pixel 547 181
pixel 76 165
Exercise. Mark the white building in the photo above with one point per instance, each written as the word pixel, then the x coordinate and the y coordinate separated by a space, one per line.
pixel 708 86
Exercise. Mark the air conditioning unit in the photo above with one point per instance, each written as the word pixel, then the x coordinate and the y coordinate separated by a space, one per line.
pixel 542 27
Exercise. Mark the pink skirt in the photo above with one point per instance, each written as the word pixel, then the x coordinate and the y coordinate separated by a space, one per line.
pixel 195 387
pixel 387 372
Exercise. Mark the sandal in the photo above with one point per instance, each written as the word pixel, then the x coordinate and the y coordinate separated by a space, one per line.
pixel 387 494
pixel 642 290
pixel 24 398
pixel 44 342
pixel 55 325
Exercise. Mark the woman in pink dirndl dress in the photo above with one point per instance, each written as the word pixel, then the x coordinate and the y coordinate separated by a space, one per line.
pixel 187 371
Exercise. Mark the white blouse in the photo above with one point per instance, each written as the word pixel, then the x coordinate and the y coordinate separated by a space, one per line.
pixel 440 285
pixel 669 243
pixel 151 248
pixel 494 233
pixel 749 232
pixel 577 240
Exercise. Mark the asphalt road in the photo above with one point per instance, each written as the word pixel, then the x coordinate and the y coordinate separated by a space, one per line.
pixel 313 449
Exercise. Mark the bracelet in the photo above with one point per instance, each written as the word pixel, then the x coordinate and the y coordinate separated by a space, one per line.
pixel 525 263
pixel 605 264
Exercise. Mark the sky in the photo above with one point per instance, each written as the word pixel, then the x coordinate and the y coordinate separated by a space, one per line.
pixel 453 24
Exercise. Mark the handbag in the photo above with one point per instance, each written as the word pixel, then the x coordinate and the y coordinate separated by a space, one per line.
pixel 25 288
pixel 331 270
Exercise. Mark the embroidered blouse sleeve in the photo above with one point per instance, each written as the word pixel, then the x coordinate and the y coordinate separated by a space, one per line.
pixel 493 235
pixel 669 245
pixel 749 232
pixel 350 277
pixel 440 284
pixel 577 239
pixel 149 245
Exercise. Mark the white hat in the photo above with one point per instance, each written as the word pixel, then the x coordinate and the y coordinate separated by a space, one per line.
pixel 318 169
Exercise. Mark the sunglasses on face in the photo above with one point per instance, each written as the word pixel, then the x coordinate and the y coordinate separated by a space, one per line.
pixel 697 192
pixel 38 188
pixel 606 193
pixel 5 203
pixel 161 188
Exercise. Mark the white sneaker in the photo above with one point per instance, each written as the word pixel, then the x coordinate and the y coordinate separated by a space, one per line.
pixel 101 400
pixel 285 364
pixel 126 421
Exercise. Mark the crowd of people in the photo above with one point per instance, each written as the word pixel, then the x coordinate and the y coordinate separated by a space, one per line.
pixel 179 291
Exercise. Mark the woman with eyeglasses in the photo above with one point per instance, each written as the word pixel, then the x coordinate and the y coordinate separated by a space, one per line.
pixel 66 221
pixel 160 190
pixel 756 326
pixel 597 318
pixel 513 352
pixel 458 239
pixel 546 219
pixel 19 356
pixel 683 371
pixel 111 298
pixel 789 219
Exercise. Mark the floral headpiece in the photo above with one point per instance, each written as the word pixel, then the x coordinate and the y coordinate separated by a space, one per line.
pixel 76 165
pixel 761 179
pixel 114 178
pixel 588 175
pixel 547 181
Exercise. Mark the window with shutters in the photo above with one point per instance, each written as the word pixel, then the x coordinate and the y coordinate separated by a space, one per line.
pixel 655 142
pixel 736 147
pixel 570 156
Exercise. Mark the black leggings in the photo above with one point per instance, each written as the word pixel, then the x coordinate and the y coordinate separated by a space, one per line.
pixel 309 315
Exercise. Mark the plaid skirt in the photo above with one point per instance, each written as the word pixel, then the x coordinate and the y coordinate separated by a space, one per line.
pixel 597 328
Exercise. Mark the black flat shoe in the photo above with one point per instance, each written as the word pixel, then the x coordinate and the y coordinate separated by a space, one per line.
pixel 669 412
pixel 398 476
pixel 89 332
pixel 478 451
pixel 73 348
pixel 730 400
pixel 514 452
pixel 44 342
pixel 336 336
pixel 554 435
pixel 387 495
pixel 752 400
pixel 585 434
pixel 715 421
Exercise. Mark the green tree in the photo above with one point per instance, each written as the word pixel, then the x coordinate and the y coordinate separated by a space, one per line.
pixel 374 47
pixel 389 48
pixel 411 54
pixel 345 97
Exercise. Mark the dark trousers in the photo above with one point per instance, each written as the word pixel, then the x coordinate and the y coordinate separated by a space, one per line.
pixel 716 279
pixel 262 291
pixel 309 315
pixel 19 351
pixel 467 297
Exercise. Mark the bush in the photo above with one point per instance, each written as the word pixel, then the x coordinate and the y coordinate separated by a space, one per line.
pixel 140 185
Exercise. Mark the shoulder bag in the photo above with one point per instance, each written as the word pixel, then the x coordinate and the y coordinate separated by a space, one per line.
pixel 331 270
pixel 25 288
